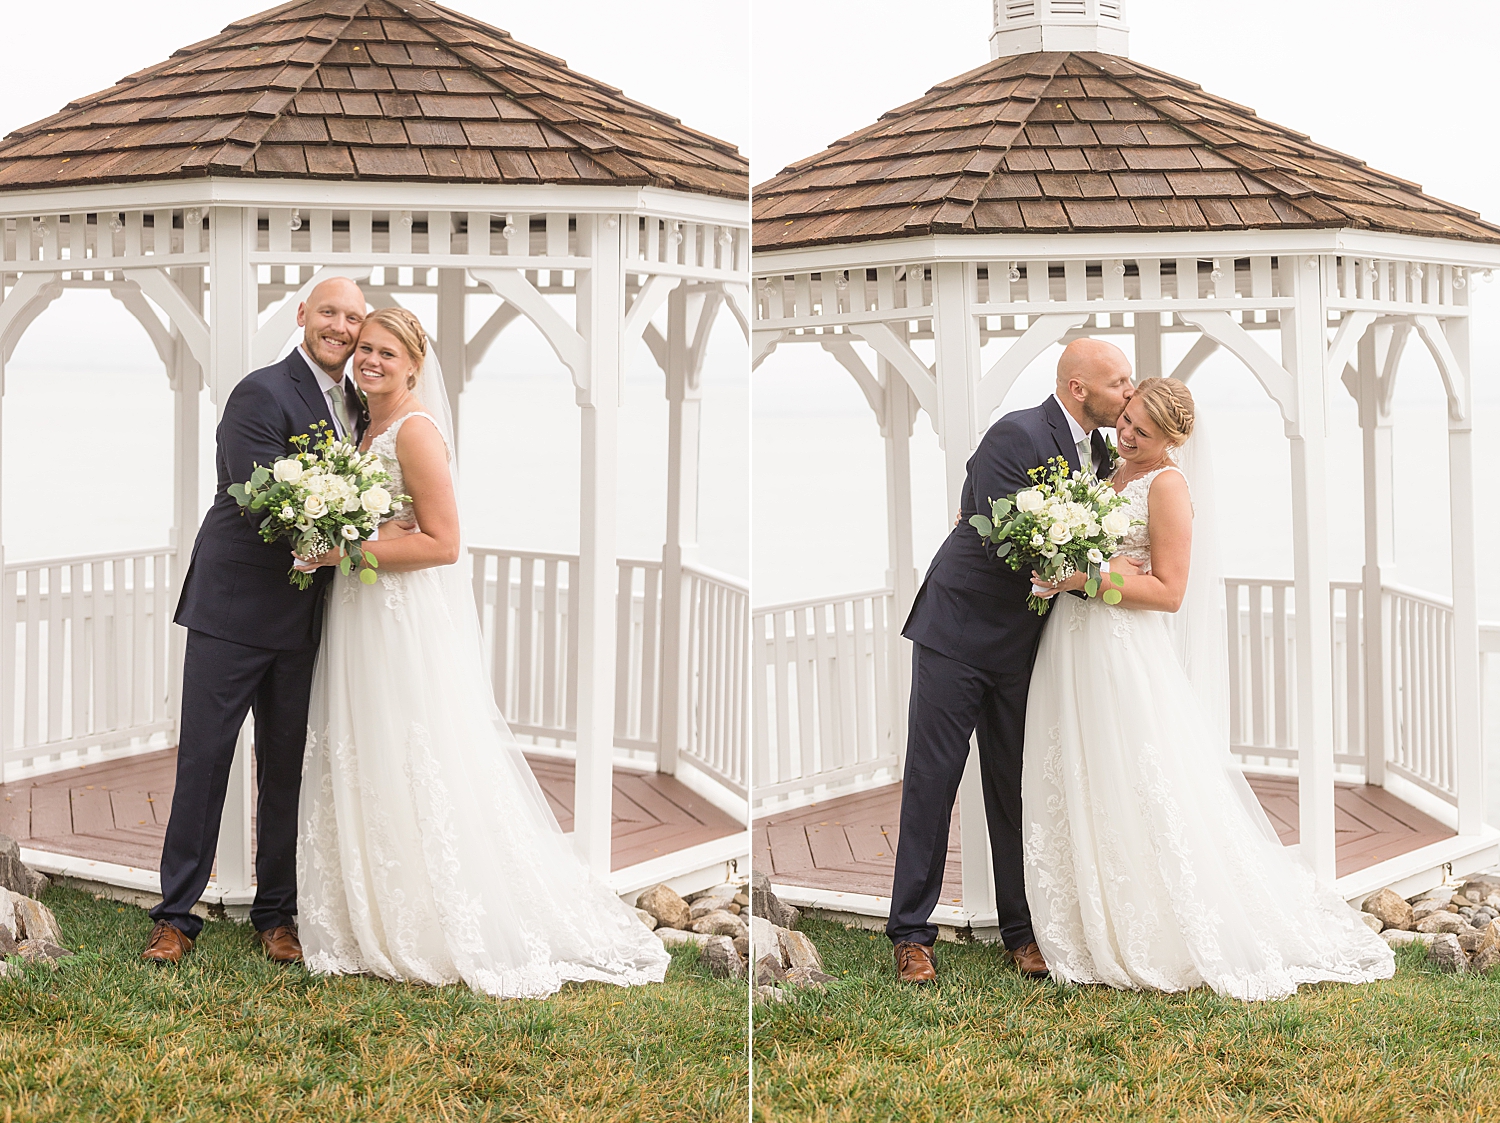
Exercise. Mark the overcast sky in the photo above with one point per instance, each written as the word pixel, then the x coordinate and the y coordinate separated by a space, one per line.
pixel 689 58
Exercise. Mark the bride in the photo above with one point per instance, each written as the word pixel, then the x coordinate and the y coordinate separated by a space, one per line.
pixel 425 849
pixel 1149 863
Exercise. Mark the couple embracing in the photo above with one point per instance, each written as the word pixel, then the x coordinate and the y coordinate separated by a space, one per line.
pixel 1128 849
pixel 400 831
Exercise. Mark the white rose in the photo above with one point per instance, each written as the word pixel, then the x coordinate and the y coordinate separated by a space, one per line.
pixel 1036 541
pixel 287 471
pixel 351 533
pixel 377 501
pixel 350 505
pixel 1096 558
pixel 1060 534
pixel 1116 523
pixel 1049 550
pixel 315 506
pixel 287 514
pixel 1029 501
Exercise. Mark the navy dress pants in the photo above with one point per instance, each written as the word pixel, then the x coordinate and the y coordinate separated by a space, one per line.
pixel 221 682
pixel 950 701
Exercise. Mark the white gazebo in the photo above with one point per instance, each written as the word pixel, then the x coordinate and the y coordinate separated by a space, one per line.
pixel 420 152
pixel 1063 190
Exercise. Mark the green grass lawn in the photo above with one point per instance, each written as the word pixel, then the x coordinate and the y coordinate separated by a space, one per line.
pixel 986 1044
pixel 230 1036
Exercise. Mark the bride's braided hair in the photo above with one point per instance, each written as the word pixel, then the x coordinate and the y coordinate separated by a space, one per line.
pixel 408 331
pixel 1169 404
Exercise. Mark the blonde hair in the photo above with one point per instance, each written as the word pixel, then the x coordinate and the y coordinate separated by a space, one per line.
pixel 1169 404
pixel 409 333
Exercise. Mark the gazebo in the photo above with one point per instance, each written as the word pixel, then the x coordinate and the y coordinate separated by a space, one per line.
pixel 1064 189
pixel 420 152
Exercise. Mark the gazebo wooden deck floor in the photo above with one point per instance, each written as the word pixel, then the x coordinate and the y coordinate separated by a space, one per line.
pixel 117 811
pixel 848 844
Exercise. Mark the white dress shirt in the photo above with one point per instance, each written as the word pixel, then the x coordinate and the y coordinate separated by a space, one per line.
pixel 325 384
pixel 1081 439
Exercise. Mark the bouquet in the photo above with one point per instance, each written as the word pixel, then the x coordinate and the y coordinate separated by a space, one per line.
pixel 318 498
pixel 1064 522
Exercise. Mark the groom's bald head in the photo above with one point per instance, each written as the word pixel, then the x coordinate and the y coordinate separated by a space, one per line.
pixel 330 318
pixel 1093 382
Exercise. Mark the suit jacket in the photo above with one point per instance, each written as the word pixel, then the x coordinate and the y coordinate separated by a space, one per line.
pixel 236 585
pixel 972 606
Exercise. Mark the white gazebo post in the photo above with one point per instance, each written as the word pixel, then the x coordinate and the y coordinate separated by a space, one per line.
pixel 601 311
pixel 1379 351
pixel 186 379
pixel 233 312
pixel 452 326
pixel 897 421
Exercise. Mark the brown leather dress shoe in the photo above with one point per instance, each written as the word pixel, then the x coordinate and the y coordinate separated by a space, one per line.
pixel 166 944
pixel 1029 961
pixel 915 963
pixel 281 943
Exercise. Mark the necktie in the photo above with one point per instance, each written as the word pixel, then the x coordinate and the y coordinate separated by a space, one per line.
pixel 1086 454
pixel 341 421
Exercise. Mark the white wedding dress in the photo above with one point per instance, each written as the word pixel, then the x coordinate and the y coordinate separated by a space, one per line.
pixel 426 851
pixel 1149 863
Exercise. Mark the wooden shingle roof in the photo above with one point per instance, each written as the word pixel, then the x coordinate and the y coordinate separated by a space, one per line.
pixel 1082 143
pixel 367 89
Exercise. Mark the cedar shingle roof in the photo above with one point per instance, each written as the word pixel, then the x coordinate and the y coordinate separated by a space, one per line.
pixel 1082 143
pixel 367 89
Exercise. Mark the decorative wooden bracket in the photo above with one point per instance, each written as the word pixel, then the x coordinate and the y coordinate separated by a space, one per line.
pixel 737 298
pixel 161 335
pixel 1455 378
pixel 648 301
pixel 512 286
pixel 1201 349
pixel 848 358
pixel 1043 332
pixel 181 314
pixel 762 343
pixel 1273 377
pixel 479 343
pixel 28 299
pixel 896 351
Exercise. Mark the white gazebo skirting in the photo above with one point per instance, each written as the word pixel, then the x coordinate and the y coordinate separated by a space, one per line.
pixel 600 656
pixel 1343 680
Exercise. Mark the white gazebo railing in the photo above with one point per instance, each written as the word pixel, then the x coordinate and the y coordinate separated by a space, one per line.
pixel 827 713
pixel 826 696
pixel 83 655
pixel 85 646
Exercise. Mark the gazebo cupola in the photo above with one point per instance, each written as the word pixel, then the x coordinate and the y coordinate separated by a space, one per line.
pixel 420 152
pixel 1064 189
pixel 1026 26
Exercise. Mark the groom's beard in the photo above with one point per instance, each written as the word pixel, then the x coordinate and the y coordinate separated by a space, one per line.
pixel 1097 417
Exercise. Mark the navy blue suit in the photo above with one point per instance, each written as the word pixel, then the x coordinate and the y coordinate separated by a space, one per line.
pixel 974 642
pixel 252 640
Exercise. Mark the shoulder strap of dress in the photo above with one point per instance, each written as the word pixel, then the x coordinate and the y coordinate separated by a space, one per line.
pixel 405 417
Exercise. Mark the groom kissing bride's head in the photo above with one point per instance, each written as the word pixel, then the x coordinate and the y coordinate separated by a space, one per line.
pixel 1093 382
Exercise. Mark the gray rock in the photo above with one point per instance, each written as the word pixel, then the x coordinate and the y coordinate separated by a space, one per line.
pixel 742 899
pixel 765 903
pixel 1447 954
pixel 646 918
pixel 1422 909
pixel 702 906
pixel 742 946
pixel 1482 883
pixel 1390 908
pixel 1491 935
pixel 34 920
pixel 764 940
pixel 799 951
pixel 676 937
pixel 768 971
pixel 1397 938
pixel 1471 941
pixel 720 923
pixel 808 977
pixel 15 874
pixel 1444 922
pixel 38 950
pixel 722 961
pixel 1484 960
pixel 724 891
pixel 1442 895
pixel 1493 902
pixel 769 994
pixel 662 902
pixel 1371 921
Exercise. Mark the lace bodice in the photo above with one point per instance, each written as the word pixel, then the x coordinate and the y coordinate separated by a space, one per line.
pixel 384 446
pixel 1136 543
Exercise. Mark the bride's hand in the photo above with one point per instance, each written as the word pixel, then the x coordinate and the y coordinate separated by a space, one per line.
pixel 307 565
pixel 1047 589
pixel 393 530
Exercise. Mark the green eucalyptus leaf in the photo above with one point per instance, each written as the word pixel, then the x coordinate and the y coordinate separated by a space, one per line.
pixel 1118 579
pixel 1091 587
pixel 982 524
pixel 371 560
pixel 1002 506
pixel 1113 596
pixel 1002 549
pixel 368 576
pixel 344 566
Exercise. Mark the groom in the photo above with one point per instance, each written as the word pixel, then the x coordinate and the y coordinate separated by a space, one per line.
pixel 974 641
pixel 252 638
